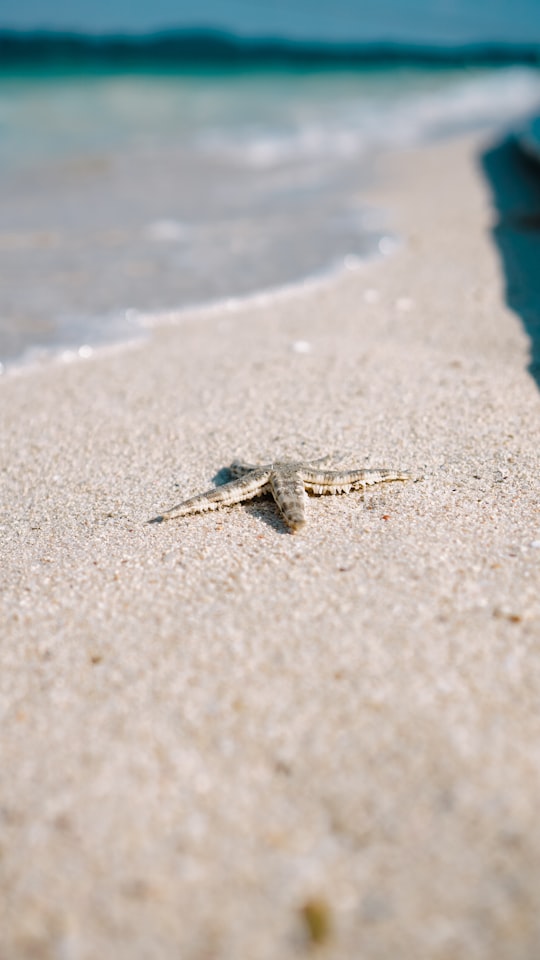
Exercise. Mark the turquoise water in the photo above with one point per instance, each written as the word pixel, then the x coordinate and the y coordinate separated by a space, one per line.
pixel 422 21
pixel 132 190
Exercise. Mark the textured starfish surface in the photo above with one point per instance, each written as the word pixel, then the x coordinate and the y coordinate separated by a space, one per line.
pixel 287 481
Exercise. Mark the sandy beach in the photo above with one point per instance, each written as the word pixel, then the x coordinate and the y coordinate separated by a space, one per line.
pixel 220 741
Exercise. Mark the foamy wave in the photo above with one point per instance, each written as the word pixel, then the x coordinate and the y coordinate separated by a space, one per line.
pixel 386 118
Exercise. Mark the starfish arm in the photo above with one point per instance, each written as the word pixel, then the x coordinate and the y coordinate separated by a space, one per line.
pixel 337 481
pixel 244 488
pixel 287 489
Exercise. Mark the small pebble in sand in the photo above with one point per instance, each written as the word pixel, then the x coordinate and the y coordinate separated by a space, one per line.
pixel 301 346
pixel 316 915
pixel 506 613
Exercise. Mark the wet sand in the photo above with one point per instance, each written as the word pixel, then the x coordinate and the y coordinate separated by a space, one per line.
pixel 223 741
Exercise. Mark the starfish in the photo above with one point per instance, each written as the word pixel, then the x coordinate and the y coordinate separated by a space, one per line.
pixel 287 481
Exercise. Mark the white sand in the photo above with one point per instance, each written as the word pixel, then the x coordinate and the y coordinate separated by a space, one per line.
pixel 208 724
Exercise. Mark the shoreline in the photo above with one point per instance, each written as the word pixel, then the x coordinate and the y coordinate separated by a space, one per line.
pixel 212 725
pixel 288 198
pixel 37 358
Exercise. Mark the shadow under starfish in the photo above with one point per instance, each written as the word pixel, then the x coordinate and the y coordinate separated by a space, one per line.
pixel 287 481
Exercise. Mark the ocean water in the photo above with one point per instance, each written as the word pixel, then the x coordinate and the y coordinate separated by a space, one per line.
pixel 420 21
pixel 134 186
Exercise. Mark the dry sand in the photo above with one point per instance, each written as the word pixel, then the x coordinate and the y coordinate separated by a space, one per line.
pixel 220 741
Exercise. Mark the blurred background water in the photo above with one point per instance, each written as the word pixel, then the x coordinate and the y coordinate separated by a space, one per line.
pixel 439 22
pixel 146 172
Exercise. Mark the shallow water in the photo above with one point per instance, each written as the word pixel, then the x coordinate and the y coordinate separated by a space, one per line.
pixel 145 191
